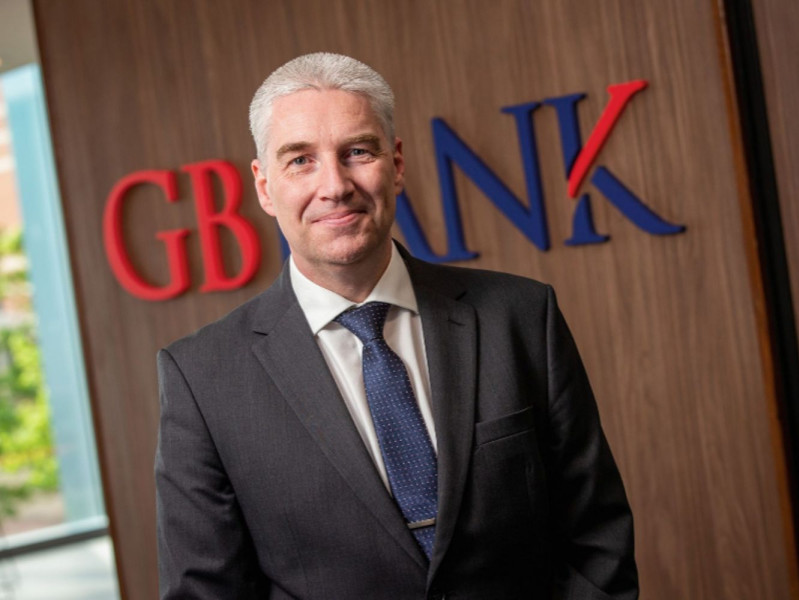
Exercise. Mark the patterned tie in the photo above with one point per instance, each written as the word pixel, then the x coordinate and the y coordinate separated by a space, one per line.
pixel 404 443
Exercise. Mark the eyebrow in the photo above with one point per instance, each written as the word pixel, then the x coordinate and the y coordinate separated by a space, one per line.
pixel 367 139
pixel 291 147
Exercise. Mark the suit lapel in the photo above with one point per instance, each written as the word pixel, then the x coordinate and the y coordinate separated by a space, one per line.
pixel 450 334
pixel 291 357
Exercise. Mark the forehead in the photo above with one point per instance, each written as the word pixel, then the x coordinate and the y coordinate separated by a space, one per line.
pixel 313 116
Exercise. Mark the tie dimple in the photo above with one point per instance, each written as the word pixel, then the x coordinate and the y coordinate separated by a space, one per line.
pixel 404 442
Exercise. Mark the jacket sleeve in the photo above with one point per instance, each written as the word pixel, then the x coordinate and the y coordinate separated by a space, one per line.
pixel 593 524
pixel 204 548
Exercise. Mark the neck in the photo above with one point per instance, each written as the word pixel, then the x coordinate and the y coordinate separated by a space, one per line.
pixel 352 281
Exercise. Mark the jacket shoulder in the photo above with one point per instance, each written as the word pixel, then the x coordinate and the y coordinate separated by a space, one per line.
pixel 480 285
pixel 220 338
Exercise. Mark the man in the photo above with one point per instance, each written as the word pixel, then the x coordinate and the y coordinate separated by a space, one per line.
pixel 453 450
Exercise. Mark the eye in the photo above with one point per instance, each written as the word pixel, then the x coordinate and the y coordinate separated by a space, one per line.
pixel 360 153
pixel 299 161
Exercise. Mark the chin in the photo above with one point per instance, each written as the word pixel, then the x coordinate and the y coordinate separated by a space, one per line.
pixel 348 257
pixel 349 252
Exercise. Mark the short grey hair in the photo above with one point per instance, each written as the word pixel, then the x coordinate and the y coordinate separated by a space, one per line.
pixel 320 71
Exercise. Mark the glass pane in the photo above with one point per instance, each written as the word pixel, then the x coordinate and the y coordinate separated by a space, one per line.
pixel 40 356
pixel 50 490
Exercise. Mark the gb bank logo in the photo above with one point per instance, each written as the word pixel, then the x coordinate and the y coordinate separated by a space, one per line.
pixel 532 221
pixel 530 218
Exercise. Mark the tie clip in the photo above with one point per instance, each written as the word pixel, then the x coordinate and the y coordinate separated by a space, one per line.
pixel 420 524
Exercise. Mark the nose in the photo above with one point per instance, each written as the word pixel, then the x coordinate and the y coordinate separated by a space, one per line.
pixel 335 182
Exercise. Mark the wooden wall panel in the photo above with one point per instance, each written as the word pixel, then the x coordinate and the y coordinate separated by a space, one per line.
pixel 667 325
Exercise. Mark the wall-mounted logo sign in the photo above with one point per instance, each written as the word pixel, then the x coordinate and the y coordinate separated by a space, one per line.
pixel 532 221
pixel 450 150
pixel 209 223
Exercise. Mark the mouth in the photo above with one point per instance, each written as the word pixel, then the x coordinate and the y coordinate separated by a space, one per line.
pixel 341 218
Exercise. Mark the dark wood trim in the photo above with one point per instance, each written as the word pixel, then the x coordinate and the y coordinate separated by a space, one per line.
pixel 767 221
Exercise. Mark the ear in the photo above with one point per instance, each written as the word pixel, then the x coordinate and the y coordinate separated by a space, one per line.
pixel 259 175
pixel 399 167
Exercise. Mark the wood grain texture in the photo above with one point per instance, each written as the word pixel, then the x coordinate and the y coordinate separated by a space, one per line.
pixel 666 325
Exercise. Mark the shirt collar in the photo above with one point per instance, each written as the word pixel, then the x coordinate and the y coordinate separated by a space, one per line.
pixel 321 306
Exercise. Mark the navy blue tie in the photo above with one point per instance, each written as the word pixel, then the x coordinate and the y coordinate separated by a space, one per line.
pixel 404 443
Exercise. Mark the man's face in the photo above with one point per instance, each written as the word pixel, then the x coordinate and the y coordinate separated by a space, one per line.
pixel 330 178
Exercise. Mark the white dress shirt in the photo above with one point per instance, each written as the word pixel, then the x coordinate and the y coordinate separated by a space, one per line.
pixel 342 349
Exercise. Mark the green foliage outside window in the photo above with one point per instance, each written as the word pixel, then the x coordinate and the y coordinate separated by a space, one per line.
pixel 27 461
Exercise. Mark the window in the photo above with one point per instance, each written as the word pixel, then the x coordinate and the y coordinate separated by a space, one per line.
pixel 51 509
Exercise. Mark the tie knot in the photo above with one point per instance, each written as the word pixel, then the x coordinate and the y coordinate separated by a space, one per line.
pixel 366 321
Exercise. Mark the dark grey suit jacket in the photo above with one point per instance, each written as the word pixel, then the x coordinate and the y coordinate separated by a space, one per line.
pixel 266 490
